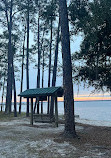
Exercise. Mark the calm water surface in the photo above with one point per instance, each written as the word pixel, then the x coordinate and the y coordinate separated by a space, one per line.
pixel 90 110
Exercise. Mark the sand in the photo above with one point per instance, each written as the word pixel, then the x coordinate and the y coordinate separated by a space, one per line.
pixel 20 140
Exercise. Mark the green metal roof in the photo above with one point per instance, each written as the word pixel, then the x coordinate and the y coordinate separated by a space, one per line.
pixel 50 91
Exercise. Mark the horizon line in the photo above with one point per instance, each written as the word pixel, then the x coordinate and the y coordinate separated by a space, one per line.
pixel 77 99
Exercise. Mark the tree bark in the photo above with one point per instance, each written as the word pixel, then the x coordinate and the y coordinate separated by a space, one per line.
pixel 38 75
pixel 38 72
pixel 43 64
pixel 54 73
pixel 14 88
pixel 9 74
pixel 22 72
pixel 49 75
pixel 42 81
pixel 67 71
pixel 3 94
pixel 27 60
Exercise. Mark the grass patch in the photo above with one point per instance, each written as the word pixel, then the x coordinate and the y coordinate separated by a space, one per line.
pixel 4 116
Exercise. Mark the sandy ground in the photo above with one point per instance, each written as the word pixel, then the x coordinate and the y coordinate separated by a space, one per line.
pixel 20 140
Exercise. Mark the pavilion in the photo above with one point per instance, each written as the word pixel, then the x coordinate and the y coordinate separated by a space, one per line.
pixel 41 94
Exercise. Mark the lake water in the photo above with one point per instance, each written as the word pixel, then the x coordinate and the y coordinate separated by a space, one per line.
pixel 88 110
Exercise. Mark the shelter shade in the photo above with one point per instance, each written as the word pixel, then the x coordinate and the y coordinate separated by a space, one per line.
pixel 42 93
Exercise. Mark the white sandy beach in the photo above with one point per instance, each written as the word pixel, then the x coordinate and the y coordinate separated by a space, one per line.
pixel 20 140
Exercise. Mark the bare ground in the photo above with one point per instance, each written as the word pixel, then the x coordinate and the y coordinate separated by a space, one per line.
pixel 20 140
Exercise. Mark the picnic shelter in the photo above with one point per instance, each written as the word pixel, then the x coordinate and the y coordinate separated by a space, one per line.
pixel 41 94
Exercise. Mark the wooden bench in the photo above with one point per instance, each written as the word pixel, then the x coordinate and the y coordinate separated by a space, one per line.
pixel 44 118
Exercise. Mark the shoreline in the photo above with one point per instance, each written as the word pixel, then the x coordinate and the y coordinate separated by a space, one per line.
pixel 96 123
pixel 74 101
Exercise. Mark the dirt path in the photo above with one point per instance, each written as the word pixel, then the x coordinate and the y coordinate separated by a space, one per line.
pixel 19 140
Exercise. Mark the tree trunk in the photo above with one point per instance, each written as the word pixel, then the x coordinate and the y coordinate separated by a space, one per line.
pixel 14 88
pixel 21 88
pixel 38 75
pixel 49 75
pixel 54 72
pixel 42 81
pixel 3 94
pixel 43 64
pixel 27 60
pixel 67 71
pixel 9 77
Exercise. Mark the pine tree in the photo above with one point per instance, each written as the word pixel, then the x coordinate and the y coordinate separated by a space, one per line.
pixel 96 47
pixel 67 71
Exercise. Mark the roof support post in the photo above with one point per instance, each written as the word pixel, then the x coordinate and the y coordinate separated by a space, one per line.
pixel 52 108
pixel 31 118
pixel 56 112
pixel 37 105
